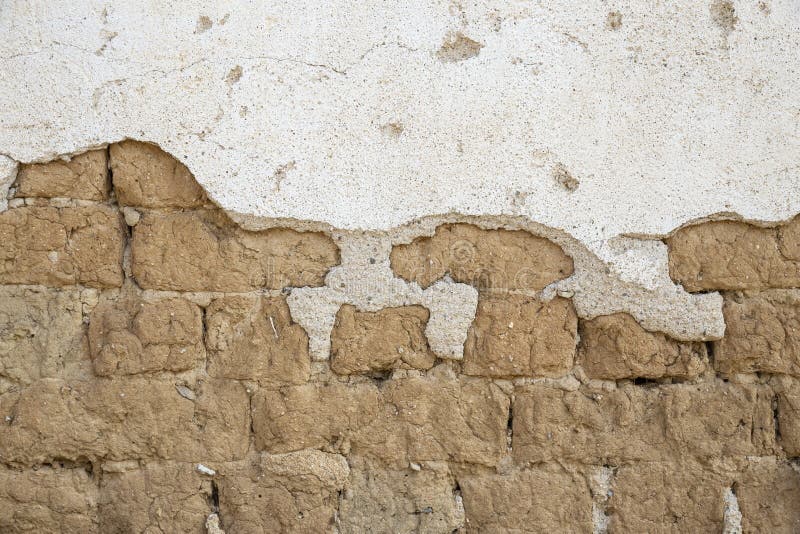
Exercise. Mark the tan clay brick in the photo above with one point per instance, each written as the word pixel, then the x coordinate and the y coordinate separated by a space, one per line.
pixel 547 498
pixel 615 347
pixel 788 420
pixel 254 338
pixel 392 338
pixel 732 255
pixel 402 501
pixel 47 500
pixel 206 251
pixel 487 259
pixel 61 246
pixel 667 497
pixel 762 333
pixel 124 419
pixel 158 497
pixel 515 335
pixel 83 177
pixel 414 419
pixel 635 423
pixel 41 335
pixel 130 335
pixel 145 176
pixel 295 492
pixel 768 492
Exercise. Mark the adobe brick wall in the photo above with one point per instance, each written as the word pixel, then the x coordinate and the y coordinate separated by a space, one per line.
pixel 143 334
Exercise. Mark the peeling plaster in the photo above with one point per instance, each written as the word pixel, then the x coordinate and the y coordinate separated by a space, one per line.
pixel 8 174
pixel 365 280
pixel 657 114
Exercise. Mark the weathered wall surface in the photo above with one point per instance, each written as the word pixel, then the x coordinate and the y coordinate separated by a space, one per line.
pixel 596 120
pixel 155 376
pixel 430 266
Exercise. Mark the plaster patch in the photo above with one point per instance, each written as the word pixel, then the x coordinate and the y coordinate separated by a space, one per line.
pixel 365 280
pixel 732 515
pixel 601 481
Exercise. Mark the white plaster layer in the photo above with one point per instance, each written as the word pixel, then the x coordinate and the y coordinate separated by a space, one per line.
pixel 593 119
pixel 665 119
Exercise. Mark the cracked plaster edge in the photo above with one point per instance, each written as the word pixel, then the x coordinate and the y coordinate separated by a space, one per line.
pixel 599 286
pixel 8 175
pixel 623 274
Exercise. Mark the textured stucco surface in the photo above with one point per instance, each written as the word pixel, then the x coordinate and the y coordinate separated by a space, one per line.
pixel 592 120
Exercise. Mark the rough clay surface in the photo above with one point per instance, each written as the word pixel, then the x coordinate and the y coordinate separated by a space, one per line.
pixel 393 338
pixel 158 497
pixel 763 333
pixel 616 346
pixel 130 336
pixel 146 177
pixel 642 424
pixel 498 260
pixel 591 120
pixel 255 338
pixel 515 335
pixel 62 246
pixel 527 499
pixel 84 177
pixel 208 251
pixel 406 421
pixel 41 335
pixel 755 258
pixel 295 492
pixel 137 407
pixel 141 418
pixel 401 501
pixel 50 499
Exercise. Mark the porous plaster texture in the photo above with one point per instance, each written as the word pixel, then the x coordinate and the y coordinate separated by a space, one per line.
pixel 602 125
